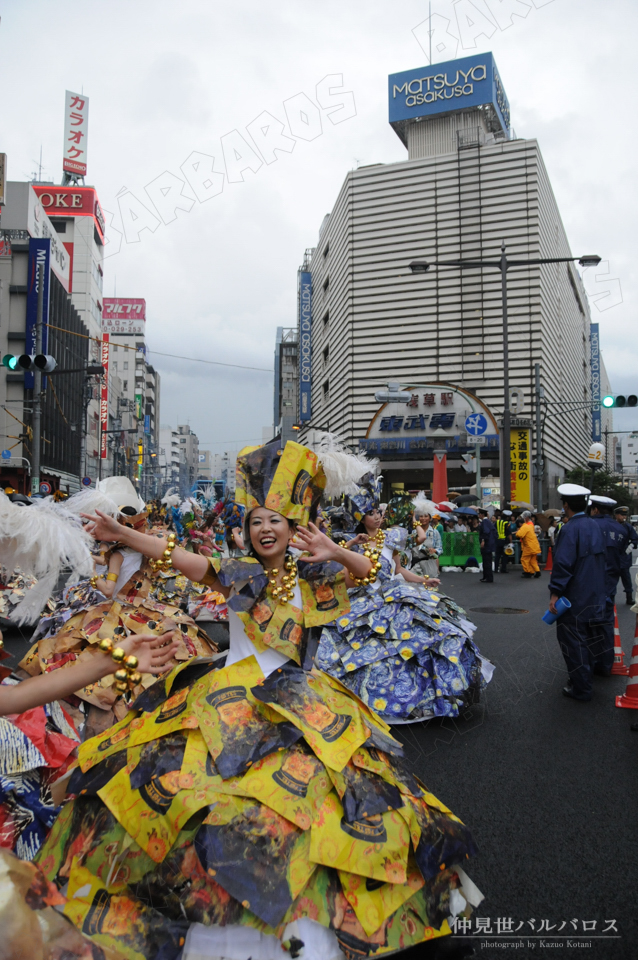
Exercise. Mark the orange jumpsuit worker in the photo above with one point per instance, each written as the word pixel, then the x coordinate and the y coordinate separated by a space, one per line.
pixel 530 546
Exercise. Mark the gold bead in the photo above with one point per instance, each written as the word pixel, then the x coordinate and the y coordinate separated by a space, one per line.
pixel 1 644
pixel 131 662
pixel 121 676
pixel 118 655
pixel 275 571
pixel 106 645
pixel 167 554
pixel 168 563
pixel 135 678
pixel 122 687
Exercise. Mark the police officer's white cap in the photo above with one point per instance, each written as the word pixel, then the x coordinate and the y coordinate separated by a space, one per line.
pixel 572 490
pixel 507 513
pixel 605 501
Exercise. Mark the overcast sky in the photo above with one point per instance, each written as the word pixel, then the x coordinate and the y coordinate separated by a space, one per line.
pixel 166 80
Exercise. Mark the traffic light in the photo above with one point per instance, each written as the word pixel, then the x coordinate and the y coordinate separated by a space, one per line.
pixel 619 400
pixel 30 362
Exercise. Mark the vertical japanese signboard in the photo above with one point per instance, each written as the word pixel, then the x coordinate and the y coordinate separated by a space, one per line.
pixel 104 398
pixel 39 254
pixel 520 465
pixel 76 128
pixel 596 425
pixel 3 177
pixel 305 345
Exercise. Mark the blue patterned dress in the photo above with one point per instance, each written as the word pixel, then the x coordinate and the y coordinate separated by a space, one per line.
pixel 406 651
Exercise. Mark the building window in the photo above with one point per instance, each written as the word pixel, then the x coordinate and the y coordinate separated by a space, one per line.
pixel 59 225
pixel 325 252
pixel 326 354
pixel 326 318
pixel 125 385
pixel 125 365
pixel 326 390
pixel 326 284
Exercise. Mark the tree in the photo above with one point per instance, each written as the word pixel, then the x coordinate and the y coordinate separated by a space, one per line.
pixel 604 484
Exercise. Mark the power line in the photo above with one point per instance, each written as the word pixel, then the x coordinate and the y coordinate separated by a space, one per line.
pixel 217 363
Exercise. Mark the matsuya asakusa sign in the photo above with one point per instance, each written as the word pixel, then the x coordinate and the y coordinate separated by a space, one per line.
pixel 447 87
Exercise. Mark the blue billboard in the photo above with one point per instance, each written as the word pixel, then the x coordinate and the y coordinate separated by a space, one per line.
pixel 447 87
pixel 39 253
pixel 596 424
pixel 305 346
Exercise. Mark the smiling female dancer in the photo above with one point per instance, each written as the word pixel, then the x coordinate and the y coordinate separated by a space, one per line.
pixel 242 805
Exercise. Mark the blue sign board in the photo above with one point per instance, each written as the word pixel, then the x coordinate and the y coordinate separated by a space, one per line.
pixel 596 425
pixel 446 87
pixel 476 424
pixel 86 481
pixel 305 346
pixel 39 253
pixel 419 447
pixel 147 423
pixel 6 454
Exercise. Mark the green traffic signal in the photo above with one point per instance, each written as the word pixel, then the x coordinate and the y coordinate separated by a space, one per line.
pixel 10 362
pixel 619 400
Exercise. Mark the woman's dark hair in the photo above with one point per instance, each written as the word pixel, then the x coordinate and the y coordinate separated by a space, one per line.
pixel 129 511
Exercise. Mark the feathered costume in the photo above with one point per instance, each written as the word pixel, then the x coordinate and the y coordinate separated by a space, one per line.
pixel 235 808
pixel 84 616
pixel 407 651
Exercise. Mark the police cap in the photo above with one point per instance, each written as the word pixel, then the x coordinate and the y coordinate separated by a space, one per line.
pixel 603 501
pixel 568 490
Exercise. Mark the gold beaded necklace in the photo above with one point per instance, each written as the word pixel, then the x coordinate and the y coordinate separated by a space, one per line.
pixel 372 552
pixel 285 592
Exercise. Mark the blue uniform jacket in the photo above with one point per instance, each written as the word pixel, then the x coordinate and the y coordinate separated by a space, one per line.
pixel 615 543
pixel 630 537
pixel 487 533
pixel 579 567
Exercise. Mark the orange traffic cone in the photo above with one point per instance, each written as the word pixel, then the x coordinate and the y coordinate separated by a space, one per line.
pixel 630 696
pixel 619 669
pixel 549 564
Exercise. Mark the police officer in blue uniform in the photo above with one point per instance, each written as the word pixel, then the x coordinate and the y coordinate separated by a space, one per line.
pixel 579 575
pixel 621 514
pixel 600 510
pixel 488 541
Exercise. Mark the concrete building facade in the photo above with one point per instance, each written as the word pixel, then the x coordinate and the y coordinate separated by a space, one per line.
pixel 464 189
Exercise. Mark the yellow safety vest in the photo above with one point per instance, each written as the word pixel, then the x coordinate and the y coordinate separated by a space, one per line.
pixel 501 528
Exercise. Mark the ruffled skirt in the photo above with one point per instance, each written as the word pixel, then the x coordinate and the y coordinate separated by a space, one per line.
pixel 232 808
pixel 406 651
pixel 84 616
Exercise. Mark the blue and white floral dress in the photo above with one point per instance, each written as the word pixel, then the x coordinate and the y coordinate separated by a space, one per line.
pixel 405 650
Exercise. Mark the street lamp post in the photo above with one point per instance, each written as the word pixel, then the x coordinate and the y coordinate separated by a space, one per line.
pixel 503 264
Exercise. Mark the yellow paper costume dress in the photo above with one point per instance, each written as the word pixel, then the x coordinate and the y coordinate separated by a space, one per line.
pixel 260 801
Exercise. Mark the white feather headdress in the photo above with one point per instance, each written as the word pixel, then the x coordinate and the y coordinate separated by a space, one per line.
pixel 422 505
pixel 342 468
pixel 42 540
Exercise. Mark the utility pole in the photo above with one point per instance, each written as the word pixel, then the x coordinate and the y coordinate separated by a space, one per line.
pixel 538 466
pixel 477 451
pixel 37 387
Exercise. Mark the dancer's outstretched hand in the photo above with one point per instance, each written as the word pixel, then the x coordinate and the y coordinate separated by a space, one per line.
pixel 102 527
pixel 315 543
pixel 152 652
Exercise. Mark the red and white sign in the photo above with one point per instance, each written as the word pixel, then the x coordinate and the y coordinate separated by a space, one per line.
pixel 124 315
pixel 104 398
pixel 72 202
pixel 76 128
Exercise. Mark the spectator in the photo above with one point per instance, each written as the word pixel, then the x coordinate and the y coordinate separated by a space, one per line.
pixel 428 549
